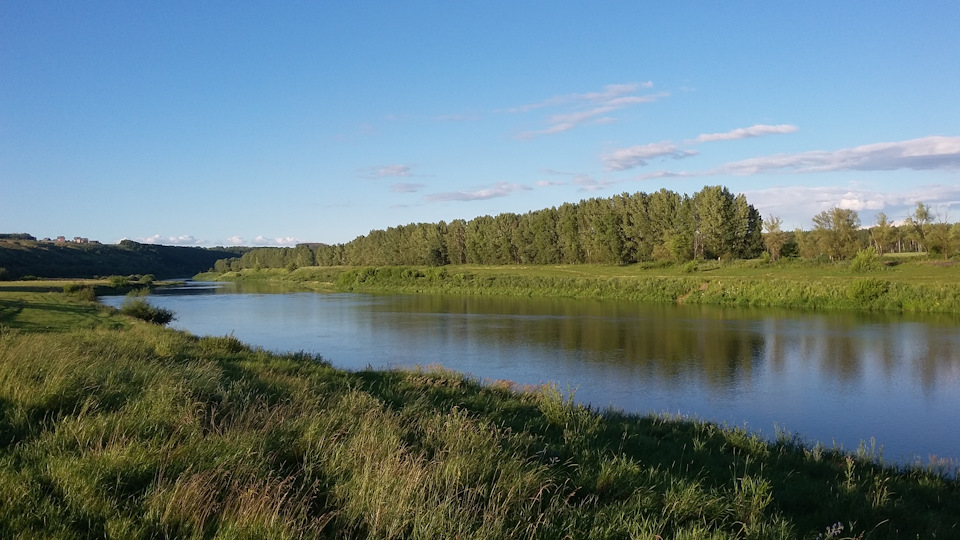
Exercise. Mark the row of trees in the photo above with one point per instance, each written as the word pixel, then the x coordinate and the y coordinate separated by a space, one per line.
pixel 837 234
pixel 622 229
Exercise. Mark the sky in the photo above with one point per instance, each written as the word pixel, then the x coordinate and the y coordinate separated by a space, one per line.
pixel 217 123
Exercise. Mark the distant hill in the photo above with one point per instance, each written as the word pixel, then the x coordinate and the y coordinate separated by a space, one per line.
pixel 20 258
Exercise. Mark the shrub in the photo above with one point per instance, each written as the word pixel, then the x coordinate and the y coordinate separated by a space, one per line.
pixel 867 290
pixel 118 281
pixel 866 261
pixel 136 306
pixel 81 291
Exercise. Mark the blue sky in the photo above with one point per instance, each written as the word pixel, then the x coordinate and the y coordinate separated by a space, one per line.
pixel 272 123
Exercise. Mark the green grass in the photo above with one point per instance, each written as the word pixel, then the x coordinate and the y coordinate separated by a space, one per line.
pixel 39 306
pixel 901 284
pixel 146 432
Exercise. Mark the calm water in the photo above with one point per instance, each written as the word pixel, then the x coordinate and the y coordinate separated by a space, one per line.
pixel 837 378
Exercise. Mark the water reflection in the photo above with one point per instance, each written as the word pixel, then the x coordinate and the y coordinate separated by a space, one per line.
pixel 842 377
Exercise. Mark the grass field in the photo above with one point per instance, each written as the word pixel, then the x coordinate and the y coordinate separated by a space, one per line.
pixel 41 306
pixel 124 429
pixel 909 284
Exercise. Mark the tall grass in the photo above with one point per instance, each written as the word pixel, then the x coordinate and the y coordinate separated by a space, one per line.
pixel 811 289
pixel 152 433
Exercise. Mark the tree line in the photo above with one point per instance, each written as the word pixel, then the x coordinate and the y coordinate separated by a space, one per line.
pixel 663 226
pixel 621 229
pixel 21 258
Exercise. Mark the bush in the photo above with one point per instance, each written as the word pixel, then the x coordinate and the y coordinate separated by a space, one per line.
pixel 867 290
pixel 81 291
pixel 136 306
pixel 118 281
pixel 866 261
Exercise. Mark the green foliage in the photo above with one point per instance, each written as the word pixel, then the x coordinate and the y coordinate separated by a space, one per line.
pixel 866 261
pixel 70 260
pixel 136 306
pixel 151 433
pixel 118 282
pixel 866 291
pixel 5 274
pixel 620 230
pixel 81 291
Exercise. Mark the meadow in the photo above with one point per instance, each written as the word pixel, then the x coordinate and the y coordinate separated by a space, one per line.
pixel 113 427
pixel 897 283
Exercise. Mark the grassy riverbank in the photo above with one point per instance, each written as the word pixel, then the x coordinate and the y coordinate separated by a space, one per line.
pixel 901 284
pixel 131 430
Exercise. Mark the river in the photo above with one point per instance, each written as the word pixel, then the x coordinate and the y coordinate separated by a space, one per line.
pixel 838 378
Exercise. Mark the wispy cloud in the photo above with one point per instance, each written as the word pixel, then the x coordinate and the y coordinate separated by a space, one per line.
pixel 385 171
pixel 279 241
pixel 457 118
pixel 589 183
pixel 638 156
pixel 758 130
pixel 592 107
pixel 926 153
pixel 183 240
pixel 401 187
pixel 501 189
pixel 584 182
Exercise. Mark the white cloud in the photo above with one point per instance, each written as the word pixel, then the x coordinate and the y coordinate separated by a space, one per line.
pixel 797 205
pixel 926 153
pixel 261 240
pixel 385 171
pixel 584 182
pixel 744 133
pixel 589 183
pixel 183 240
pixel 401 187
pixel 235 240
pixel 457 118
pixel 501 189
pixel 637 156
pixel 592 107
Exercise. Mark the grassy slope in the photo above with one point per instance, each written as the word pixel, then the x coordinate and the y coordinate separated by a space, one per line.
pixel 42 259
pixel 911 285
pixel 146 432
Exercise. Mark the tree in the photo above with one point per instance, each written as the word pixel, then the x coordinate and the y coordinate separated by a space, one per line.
pixel 918 224
pixel 835 232
pixel 457 242
pixel 774 239
pixel 713 222
pixel 883 234
pixel 568 234
pixel 747 230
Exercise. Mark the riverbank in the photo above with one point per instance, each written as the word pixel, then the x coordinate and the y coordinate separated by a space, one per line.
pixel 134 430
pixel 901 285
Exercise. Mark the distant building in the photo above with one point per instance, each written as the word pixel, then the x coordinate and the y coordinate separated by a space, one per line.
pixel 80 240
pixel 61 239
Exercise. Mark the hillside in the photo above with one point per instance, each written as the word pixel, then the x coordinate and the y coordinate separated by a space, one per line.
pixel 21 258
